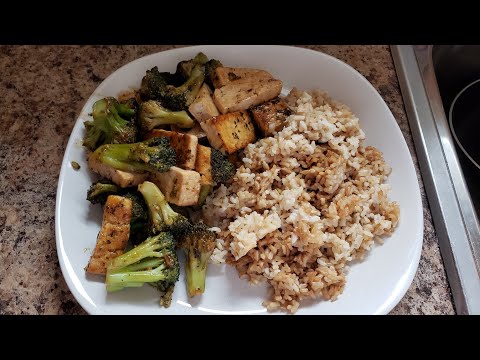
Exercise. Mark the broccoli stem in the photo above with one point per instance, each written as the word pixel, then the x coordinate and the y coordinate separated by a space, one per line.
pixel 150 155
pixel 196 273
pixel 138 276
pixel 153 261
pixel 156 203
pixel 162 216
pixel 118 157
pixel 118 287
pixel 153 115
pixel 149 248
pixel 193 84
pixel 179 118
pixel 125 110
pixel 198 242
pixel 205 190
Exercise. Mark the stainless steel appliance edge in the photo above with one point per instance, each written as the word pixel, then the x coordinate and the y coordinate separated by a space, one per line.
pixel 452 210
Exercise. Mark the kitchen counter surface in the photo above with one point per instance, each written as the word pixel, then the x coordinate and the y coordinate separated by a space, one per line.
pixel 42 90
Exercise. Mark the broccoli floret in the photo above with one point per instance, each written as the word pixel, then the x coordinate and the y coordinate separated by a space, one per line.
pixel 152 115
pixel 150 155
pixel 162 216
pixel 222 169
pixel 110 124
pixel 177 91
pixel 179 98
pixel 153 261
pixel 159 86
pixel 184 68
pixel 210 67
pixel 98 194
pixel 139 220
pixel 100 190
pixel 154 83
pixel 198 243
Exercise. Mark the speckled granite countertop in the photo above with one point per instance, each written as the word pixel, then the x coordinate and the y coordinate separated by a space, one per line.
pixel 42 89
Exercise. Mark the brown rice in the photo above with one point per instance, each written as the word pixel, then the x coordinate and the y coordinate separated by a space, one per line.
pixel 304 203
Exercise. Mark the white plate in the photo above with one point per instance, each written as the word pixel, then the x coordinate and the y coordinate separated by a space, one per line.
pixel 374 286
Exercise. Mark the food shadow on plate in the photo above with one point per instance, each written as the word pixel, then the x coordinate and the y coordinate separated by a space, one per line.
pixel 95 278
pixel 145 295
pixel 223 280
pixel 94 211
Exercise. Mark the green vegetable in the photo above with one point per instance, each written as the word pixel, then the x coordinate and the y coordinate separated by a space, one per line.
pixel 184 68
pixel 153 115
pixel 210 67
pixel 154 261
pixel 98 194
pixel 166 89
pixel 205 190
pixel 151 155
pixel 111 124
pixel 100 190
pixel 222 168
pixel 162 216
pixel 198 243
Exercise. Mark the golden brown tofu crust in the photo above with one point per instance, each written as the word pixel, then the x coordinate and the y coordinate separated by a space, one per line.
pixel 129 94
pixel 270 117
pixel 203 165
pixel 113 236
pixel 230 132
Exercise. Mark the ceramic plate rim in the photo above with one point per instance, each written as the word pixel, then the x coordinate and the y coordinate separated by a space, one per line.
pixel 73 284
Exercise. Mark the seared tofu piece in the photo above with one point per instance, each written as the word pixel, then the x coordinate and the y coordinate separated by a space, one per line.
pixel 244 93
pixel 203 165
pixel 270 116
pixel 230 132
pixel 203 108
pixel 224 75
pixel 196 130
pixel 180 187
pixel 113 237
pixel 129 94
pixel 119 177
pixel 185 146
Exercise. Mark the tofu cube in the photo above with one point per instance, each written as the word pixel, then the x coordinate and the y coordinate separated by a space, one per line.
pixel 203 108
pixel 230 132
pixel 185 146
pixel 224 75
pixel 119 177
pixel 244 93
pixel 203 165
pixel 270 116
pixel 180 187
pixel 196 130
pixel 113 236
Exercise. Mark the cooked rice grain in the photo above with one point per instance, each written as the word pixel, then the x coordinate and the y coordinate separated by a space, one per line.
pixel 304 203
